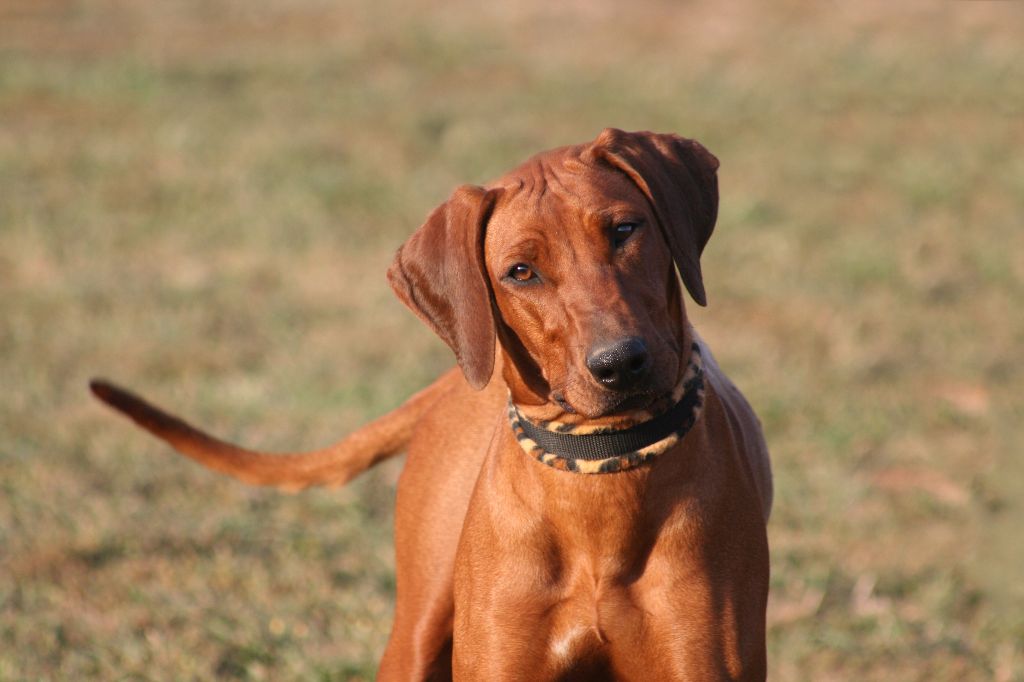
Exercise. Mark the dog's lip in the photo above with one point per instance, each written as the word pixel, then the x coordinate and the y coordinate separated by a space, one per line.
pixel 634 402
pixel 624 406
pixel 559 398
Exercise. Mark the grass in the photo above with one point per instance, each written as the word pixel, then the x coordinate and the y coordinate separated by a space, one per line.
pixel 200 200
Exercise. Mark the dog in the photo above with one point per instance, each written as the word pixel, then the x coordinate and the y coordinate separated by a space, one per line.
pixel 586 494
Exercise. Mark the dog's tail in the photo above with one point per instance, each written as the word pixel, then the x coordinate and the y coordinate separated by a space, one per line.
pixel 331 466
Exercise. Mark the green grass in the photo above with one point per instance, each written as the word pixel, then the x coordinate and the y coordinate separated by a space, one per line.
pixel 200 200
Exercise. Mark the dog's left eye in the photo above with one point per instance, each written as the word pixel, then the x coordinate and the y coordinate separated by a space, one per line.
pixel 622 232
pixel 521 272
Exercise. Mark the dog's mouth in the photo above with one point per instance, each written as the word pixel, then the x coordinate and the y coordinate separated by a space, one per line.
pixel 559 399
pixel 640 401
pixel 612 407
pixel 578 398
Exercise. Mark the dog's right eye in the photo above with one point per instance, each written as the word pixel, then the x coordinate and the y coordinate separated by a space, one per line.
pixel 622 232
pixel 521 272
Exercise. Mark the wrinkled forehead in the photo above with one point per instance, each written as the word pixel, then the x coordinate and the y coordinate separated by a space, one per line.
pixel 558 193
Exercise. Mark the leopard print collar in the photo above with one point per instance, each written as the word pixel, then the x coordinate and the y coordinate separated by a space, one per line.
pixel 605 450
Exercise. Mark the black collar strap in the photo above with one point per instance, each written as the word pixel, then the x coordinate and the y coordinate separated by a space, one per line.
pixel 604 450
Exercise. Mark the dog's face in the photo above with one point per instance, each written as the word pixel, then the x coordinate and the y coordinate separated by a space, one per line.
pixel 584 284
pixel 568 262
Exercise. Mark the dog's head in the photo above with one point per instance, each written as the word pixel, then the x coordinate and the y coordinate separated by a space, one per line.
pixel 567 262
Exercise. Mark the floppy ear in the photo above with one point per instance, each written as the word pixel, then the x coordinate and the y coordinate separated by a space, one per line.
pixel 439 273
pixel 679 178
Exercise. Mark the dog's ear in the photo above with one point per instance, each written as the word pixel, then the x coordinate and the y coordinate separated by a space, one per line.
pixel 679 178
pixel 439 273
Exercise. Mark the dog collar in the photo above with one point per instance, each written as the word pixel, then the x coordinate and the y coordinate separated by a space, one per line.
pixel 604 450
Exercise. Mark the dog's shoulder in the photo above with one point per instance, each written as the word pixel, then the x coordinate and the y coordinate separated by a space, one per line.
pixel 745 424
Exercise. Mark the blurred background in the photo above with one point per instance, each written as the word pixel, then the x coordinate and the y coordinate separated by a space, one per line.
pixel 199 199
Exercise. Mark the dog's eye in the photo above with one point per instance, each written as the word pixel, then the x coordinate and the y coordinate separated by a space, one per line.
pixel 521 272
pixel 622 232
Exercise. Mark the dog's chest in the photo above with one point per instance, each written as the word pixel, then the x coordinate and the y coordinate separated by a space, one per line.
pixel 578 645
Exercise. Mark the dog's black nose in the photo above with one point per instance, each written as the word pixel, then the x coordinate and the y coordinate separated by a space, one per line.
pixel 620 365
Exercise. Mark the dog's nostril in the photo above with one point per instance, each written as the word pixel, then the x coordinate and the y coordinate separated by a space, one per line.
pixel 638 363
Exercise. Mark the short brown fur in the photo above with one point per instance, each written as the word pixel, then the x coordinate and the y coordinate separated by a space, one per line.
pixel 511 570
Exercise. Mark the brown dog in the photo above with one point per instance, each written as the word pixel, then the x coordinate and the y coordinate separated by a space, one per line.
pixel 587 498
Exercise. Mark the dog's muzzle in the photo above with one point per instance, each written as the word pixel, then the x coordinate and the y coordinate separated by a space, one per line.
pixel 604 450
